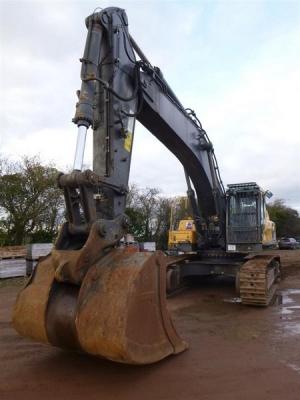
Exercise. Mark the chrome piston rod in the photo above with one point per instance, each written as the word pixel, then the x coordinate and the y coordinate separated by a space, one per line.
pixel 80 147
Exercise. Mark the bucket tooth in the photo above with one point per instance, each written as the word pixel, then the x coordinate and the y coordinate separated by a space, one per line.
pixel 119 312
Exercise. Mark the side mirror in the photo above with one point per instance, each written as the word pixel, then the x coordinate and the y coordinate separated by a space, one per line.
pixel 268 194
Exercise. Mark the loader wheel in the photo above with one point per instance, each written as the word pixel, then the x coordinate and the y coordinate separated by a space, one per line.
pixel 173 280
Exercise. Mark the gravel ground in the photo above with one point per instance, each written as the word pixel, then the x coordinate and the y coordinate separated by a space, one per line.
pixel 235 352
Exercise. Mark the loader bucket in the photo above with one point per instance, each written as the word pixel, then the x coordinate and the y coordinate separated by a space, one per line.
pixel 118 312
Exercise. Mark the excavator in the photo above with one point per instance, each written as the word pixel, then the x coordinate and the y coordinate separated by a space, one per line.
pixel 90 294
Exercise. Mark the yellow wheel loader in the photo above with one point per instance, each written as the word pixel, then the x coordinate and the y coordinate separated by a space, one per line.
pixel 182 235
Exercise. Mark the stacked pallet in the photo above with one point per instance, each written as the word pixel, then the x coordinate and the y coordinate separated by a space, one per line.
pixel 12 261
pixel 148 246
pixel 34 252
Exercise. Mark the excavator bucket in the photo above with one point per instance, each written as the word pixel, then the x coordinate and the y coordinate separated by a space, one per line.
pixel 117 312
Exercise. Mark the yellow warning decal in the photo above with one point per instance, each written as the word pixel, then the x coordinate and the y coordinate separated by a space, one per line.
pixel 128 142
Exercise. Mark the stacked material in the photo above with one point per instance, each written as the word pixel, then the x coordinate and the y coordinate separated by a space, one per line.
pixel 34 252
pixel 37 250
pixel 13 252
pixel 12 267
pixel 148 246
pixel 12 261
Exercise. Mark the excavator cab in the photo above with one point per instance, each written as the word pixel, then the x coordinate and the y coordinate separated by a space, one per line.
pixel 248 225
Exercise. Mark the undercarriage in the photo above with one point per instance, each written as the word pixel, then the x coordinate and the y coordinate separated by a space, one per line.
pixel 256 276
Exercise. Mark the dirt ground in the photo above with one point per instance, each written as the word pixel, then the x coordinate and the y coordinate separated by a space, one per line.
pixel 236 352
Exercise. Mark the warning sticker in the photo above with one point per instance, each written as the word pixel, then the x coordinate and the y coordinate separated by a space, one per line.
pixel 129 137
pixel 128 142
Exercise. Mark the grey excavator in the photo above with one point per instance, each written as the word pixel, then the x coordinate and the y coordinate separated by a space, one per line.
pixel 90 294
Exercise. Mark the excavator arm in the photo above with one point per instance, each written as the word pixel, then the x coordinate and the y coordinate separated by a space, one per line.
pixel 117 89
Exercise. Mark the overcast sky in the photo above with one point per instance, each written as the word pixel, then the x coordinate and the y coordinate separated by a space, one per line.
pixel 236 63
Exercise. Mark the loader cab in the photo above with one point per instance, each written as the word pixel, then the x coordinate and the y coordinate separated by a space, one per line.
pixel 246 217
pixel 182 236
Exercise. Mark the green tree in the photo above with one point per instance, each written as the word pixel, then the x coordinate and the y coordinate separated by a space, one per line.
pixel 163 222
pixel 31 204
pixel 287 219
pixel 135 213
pixel 149 215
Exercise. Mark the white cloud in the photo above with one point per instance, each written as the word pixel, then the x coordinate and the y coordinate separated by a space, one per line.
pixel 255 123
